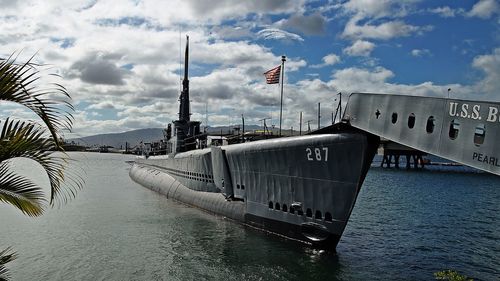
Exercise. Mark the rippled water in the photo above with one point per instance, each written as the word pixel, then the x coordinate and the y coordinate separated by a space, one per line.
pixel 405 226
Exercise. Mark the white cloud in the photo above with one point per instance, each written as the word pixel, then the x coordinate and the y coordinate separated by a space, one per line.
pixel 329 59
pixel 231 32
pixel 420 52
pixel 102 105
pixel 278 34
pixel 446 11
pixel 357 79
pixel 376 80
pixel 218 10
pixel 360 48
pixel 378 9
pixel 383 31
pixel 121 62
pixel 490 65
pixel 484 9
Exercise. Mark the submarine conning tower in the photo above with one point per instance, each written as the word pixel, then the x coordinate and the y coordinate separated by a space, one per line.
pixel 184 128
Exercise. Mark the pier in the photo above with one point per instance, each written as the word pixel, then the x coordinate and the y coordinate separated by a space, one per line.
pixel 392 150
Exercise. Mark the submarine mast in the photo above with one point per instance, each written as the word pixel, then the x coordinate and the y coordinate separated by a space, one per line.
pixel 184 113
pixel 185 130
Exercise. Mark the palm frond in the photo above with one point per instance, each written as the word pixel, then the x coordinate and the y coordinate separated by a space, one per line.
pixel 20 192
pixel 24 139
pixel 5 257
pixel 19 83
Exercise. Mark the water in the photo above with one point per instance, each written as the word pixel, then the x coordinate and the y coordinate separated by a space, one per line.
pixel 405 226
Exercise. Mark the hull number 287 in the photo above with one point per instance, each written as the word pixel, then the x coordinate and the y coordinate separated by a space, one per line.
pixel 317 154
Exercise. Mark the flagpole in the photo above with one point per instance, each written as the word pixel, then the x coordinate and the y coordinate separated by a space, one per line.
pixel 283 59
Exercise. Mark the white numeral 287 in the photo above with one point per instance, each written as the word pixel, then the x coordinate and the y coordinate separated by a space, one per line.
pixel 317 154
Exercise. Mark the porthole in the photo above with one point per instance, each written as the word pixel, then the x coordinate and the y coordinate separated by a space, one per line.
pixel 394 118
pixel 479 134
pixel 318 215
pixel 411 121
pixel 284 208
pixel 454 127
pixel 277 206
pixel 271 205
pixel 309 213
pixel 328 217
pixel 242 186
pixel 237 186
pixel 429 128
pixel 292 210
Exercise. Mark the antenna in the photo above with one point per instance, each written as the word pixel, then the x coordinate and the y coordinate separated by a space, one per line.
pixel 206 113
pixel 319 115
pixel 339 108
pixel 180 59
pixel 184 106
pixel 309 125
pixel 300 124
pixel 264 124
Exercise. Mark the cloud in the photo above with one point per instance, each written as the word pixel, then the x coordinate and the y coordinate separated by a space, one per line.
pixel 231 53
pixel 98 68
pixel 121 62
pixel 420 52
pixel 446 12
pixel 360 48
pixel 367 8
pixel 484 9
pixel 102 105
pixel 383 31
pixel 379 8
pixel 313 24
pixel 218 10
pixel 358 79
pixel 231 32
pixel 278 34
pixel 376 80
pixel 329 59
pixel 6 4
pixel 490 65
pixel 379 20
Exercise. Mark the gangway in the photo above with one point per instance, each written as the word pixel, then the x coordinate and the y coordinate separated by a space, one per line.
pixel 463 131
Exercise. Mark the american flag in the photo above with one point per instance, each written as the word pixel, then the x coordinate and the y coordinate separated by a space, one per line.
pixel 273 75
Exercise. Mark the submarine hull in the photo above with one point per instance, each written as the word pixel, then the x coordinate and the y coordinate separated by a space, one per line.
pixel 302 188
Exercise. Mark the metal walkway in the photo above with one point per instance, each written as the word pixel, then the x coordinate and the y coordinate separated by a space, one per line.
pixel 463 131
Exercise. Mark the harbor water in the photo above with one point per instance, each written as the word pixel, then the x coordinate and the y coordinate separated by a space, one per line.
pixel 406 225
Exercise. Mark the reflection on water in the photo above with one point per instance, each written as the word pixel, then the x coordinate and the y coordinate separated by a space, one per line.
pixel 406 225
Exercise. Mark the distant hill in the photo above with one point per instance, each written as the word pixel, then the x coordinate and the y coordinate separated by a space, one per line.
pixel 133 138
pixel 118 140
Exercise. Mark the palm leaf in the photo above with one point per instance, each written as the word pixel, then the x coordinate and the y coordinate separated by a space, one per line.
pixel 19 83
pixel 5 258
pixel 20 192
pixel 28 140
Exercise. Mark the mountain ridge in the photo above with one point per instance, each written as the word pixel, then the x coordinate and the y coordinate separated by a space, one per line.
pixel 135 137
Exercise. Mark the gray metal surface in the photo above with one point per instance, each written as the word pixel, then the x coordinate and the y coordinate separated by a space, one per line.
pixel 192 169
pixel 222 177
pixel 463 131
pixel 167 185
pixel 321 173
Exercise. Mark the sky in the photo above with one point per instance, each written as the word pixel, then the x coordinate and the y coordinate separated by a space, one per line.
pixel 120 60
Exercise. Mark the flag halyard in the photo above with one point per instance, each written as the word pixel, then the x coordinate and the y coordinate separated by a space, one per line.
pixel 273 75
